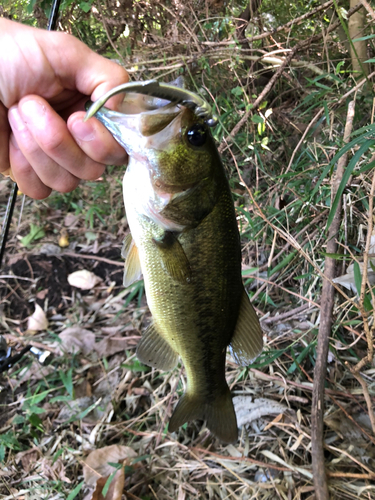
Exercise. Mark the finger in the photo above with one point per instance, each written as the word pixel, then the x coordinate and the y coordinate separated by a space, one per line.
pixel 51 134
pixel 78 67
pixel 25 176
pixel 4 139
pixel 38 145
pixel 96 141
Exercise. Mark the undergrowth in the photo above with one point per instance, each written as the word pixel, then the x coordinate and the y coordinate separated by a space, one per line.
pixel 281 166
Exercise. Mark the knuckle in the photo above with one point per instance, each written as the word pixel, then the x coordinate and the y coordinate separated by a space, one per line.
pixel 52 143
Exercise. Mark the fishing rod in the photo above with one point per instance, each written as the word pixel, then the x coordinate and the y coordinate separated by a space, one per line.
pixel 44 356
pixel 52 21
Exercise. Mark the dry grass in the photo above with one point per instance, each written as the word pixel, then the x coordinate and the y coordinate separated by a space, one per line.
pixel 46 432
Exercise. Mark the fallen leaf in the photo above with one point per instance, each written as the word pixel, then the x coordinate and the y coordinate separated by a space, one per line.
pixel 75 339
pixel 78 409
pixel 28 458
pixel 71 220
pixel 248 409
pixel 115 489
pixel 37 322
pixel 54 470
pixel 64 239
pixel 348 281
pixel 109 346
pixel 97 466
pixel 84 279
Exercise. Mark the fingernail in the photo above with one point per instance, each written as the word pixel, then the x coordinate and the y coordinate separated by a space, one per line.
pixel 83 131
pixel 33 111
pixel 15 119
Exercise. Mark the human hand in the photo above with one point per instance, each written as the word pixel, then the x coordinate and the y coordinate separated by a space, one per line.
pixel 45 80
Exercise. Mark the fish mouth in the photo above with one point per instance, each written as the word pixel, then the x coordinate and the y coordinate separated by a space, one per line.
pixel 161 91
pixel 139 128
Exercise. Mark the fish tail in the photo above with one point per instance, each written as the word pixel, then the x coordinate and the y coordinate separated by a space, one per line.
pixel 219 414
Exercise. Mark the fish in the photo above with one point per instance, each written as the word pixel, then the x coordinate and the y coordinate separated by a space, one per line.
pixel 184 241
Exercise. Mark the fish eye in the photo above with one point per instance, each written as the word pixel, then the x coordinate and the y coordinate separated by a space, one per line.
pixel 197 135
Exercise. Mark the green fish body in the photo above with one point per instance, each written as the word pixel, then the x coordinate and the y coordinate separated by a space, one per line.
pixel 185 241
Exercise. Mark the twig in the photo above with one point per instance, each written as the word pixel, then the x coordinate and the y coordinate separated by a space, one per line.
pixel 286 26
pixel 287 314
pixel 367 399
pixel 260 98
pixel 320 480
pixel 368 7
pixel 366 326
pixel 354 89
pixel 351 418
pixel 301 45
pixel 302 139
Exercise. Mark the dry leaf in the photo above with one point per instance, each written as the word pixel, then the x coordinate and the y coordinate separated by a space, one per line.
pixel 74 408
pixel 71 220
pixel 109 346
pixel 64 239
pixel 28 458
pixel 75 339
pixel 248 410
pixel 115 488
pixel 347 280
pixel 37 321
pixel 54 470
pixel 96 464
pixel 84 279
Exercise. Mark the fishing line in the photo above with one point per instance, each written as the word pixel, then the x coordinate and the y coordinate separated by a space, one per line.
pixel 52 21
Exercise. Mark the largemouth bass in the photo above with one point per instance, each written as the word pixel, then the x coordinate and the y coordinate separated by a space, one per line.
pixel 185 241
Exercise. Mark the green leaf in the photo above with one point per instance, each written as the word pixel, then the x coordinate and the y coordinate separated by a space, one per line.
pixel 237 91
pixel 110 479
pixel 67 380
pixel 367 131
pixel 326 112
pixel 2 453
pixel 76 490
pixel 283 263
pixel 365 168
pixel 299 358
pixel 85 6
pixel 348 172
pixel 36 421
pixel 35 233
pixel 257 119
pixel 82 414
pixel 357 277
pixel 367 37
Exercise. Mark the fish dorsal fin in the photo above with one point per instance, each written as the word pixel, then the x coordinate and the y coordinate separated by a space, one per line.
pixel 173 257
pixel 247 341
pixel 132 268
pixel 154 351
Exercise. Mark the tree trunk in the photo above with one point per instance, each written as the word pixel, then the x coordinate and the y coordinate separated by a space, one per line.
pixel 356 30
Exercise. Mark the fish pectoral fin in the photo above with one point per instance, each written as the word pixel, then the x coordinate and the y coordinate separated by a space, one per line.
pixel 173 257
pixel 247 341
pixel 219 414
pixel 154 351
pixel 132 267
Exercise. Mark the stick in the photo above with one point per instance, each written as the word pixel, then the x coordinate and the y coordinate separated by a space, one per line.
pixel 301 45
pixel 320 480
